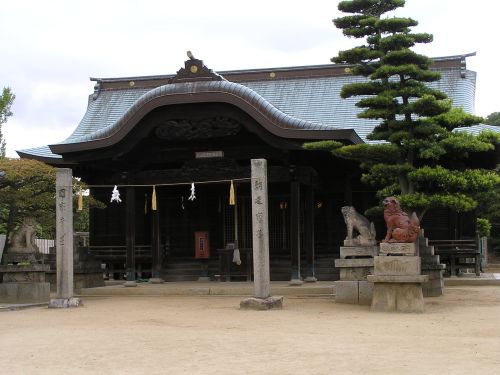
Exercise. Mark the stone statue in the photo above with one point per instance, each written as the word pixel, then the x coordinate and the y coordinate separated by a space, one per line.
pixel 400 227
pixel 356 221
pixel 23 240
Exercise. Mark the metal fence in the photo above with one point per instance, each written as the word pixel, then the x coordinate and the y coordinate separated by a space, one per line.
pixel 44 245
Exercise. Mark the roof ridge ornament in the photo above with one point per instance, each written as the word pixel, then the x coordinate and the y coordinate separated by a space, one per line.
pixel 195 70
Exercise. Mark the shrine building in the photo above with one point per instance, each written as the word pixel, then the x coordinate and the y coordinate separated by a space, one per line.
pixel 186 138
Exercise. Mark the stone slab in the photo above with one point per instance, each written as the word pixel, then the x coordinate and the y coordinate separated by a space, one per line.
pixel 437 292
pixel 64 303
pixel 365 294
pixel 397 248
pixel 362 262
pixel 156 280
pixel 269 303
pixel 396 265
pixel 355 273
pixel 310 279
pixel 401 297
pixel 24 292
pixel 358 251
pixel 358 242
pixel 397 279
pixel 433 267
pixel 347 292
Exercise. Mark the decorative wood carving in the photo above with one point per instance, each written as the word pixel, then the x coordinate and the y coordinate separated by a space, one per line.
pixel 195 70
pixel 184 129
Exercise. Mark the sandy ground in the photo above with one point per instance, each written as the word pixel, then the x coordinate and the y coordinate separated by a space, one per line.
pixel 458 334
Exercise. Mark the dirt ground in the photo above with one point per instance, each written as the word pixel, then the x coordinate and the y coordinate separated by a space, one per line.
pixel 458 334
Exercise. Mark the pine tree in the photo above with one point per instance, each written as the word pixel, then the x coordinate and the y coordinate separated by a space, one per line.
pixel 420 159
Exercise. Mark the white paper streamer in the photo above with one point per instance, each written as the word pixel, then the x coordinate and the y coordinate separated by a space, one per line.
pixel 192 197
pixel 115 195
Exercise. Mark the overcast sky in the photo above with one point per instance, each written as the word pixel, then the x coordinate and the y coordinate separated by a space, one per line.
pixel 50 48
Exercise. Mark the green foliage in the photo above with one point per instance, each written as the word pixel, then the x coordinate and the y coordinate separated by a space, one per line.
pixel 368 153
pixel 455 118
pixel 6 100
pixel 322 145
pixel 28 189
pixel 416 121
pixel 493 119
pixel 483 227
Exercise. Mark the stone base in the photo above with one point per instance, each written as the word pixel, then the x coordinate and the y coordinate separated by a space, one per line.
pixel 64 303
pixel 13 257
pixel 310 279
pixel 24 292
pixel 268 303
pixel 31 273
pixel 401 297
pixel 353 292
pixel 398 248
pixel 156 280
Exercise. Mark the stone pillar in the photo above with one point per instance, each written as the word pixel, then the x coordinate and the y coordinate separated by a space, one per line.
pixel 309 233
pixel 130 236
pixel 155 248
pixel 260 229
pixel 64 240
pixel 295 231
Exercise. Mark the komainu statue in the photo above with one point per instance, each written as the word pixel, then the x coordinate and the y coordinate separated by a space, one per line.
pixel 356 221
pixel 400 227
pixel 23 240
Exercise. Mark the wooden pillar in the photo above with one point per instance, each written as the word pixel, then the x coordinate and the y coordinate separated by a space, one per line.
pixel 155 248
pixel 309 233
pixel 295 231
pixel 130 235
pixel 348 191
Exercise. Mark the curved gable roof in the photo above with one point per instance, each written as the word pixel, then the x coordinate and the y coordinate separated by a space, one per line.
pixel 271 118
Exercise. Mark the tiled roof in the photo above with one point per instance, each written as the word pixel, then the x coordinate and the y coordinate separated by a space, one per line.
pixel 307 103
pixel 476 129
pixel 318 100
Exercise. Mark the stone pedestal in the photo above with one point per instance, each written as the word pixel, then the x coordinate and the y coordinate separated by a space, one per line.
pixel 397 283
pixel 355 264
pixel 398 248
pixel 24 284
